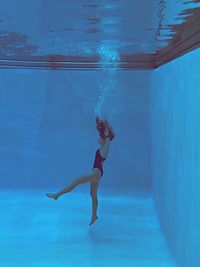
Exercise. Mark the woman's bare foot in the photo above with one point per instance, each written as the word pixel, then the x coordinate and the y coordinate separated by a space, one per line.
pixel 94 218
pixel 54 196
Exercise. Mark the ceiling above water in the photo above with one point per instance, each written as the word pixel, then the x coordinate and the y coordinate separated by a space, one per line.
pixel 35 29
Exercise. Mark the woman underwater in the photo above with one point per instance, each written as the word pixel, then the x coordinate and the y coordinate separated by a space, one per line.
pixel 106 135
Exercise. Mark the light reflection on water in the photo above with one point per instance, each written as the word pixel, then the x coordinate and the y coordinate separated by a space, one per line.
pixel 130 26
pixel 169 14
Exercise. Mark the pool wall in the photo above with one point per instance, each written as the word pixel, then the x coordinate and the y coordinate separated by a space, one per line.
pixel 175 154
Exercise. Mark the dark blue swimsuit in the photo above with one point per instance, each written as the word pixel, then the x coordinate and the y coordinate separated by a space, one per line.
pixel 98 161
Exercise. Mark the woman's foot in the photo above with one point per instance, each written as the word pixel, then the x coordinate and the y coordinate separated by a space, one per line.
pixel 54 196
pixel 94 218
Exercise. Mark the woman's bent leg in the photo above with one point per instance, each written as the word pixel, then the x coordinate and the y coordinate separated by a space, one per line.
pixel 81 180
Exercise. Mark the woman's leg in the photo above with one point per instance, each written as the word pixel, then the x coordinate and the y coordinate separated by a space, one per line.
pixel 81 180
pixel 93 192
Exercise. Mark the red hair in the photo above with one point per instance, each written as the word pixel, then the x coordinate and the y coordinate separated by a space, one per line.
pixel 101 126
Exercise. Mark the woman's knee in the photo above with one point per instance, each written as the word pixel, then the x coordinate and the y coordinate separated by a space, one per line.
pixel 93 194
pixel 74 183
pixel 93 189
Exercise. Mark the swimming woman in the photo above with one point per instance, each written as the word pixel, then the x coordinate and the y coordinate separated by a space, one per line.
pixel 106 135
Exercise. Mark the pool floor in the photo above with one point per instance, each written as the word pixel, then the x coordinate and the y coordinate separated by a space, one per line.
pixel 36 231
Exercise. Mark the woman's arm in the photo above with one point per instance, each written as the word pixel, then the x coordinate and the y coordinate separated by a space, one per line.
pixel 106 146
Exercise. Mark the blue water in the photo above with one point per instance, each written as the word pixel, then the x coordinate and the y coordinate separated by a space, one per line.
pixel 48 138
pixel 148 213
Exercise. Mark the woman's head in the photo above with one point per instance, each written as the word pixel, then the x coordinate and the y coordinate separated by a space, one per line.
pixel 101 125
